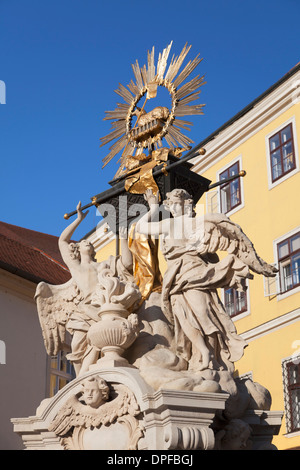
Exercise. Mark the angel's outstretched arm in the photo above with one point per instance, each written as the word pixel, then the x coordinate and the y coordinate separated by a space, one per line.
pixel 146 225
pixel 125 252
pixel 66 235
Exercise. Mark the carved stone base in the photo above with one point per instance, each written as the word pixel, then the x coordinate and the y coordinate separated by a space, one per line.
pixel 110 360
pixel 135 417
pixel 181 419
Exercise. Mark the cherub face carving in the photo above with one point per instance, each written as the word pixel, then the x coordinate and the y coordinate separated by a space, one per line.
pixel 95 391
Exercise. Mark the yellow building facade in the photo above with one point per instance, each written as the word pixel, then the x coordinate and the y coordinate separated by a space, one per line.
pixel 264 140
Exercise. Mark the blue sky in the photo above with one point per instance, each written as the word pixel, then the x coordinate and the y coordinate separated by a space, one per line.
pixel 61 61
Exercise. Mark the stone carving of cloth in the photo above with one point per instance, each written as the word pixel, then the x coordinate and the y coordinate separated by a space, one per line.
pixel 189 295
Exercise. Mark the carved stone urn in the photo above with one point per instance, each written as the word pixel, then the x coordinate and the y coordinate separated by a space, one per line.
pixel 113 334
pixel 117 328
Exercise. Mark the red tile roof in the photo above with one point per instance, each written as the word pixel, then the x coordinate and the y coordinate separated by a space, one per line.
pixel 32 255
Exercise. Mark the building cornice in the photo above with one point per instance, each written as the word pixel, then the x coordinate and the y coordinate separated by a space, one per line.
pixel 258 116
pixel 101 236
pixel 271 326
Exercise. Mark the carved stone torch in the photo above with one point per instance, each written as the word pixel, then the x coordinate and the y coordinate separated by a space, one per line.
pixel 117 328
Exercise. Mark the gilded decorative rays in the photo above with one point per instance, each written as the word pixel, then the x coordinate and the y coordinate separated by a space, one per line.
pixel 161 122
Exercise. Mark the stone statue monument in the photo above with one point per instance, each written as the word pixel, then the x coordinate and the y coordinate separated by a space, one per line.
pixel 154 355
pixel 78 304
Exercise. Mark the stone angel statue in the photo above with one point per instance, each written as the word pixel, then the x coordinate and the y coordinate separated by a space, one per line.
pixel 203 330
pixel 69 307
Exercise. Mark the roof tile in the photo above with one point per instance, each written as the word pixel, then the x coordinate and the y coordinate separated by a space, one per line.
pixel 32 255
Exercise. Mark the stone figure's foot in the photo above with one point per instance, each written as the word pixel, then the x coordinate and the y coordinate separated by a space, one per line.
pixel 205 360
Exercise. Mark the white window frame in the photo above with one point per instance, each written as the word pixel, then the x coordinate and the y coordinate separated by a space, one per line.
pixel 241 315
pixel 293 358
pixel 272 184
pixel 213 202
pixel 271 284
pixel 58 374
pixel 242 204
pixel 284 295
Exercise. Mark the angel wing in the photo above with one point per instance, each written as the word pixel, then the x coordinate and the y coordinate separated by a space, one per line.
pixel 70 415
pixel 124 403
pixel 217 232
pixel 75 413
pixel 54 304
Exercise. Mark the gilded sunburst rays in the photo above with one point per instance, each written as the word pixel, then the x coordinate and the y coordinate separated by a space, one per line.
pixel 147 79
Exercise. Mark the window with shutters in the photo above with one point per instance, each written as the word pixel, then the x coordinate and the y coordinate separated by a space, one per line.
pixel 230 193
pixel 235 302
pixel 291 388
pixel 61 372
pixel 289 263
pixel 282 154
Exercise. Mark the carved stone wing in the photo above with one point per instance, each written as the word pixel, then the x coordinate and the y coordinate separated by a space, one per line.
pixel 217 232
pixel 124 404
pixel 75 413
pixel 54 304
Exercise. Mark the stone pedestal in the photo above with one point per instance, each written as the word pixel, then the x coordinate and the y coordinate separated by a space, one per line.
pixel 150 420
pixel 181 419
pixel 264 425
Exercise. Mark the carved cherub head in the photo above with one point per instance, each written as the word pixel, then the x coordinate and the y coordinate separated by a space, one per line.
pixel 84 247
pixel 95 391
pixel 179 202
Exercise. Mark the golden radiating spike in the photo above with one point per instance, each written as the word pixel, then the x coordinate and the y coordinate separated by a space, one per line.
pixel 172 143
pixel 181 138
pixel 111 136
pixel 133 88
pixel 151 66
pixel 162 61
pixel 116 133
pixel 175 66
pixel 188 69
pixel 183 124
pixel 114 150
pixel 123 106
pixel 190 98
pixel 168 141
pixel 137 73
pixel 190 87
pixel 122 169
pixel 186 110
pixel 118 113
pixel 144 74
pixel 128 150
pixel 172 62
pixel 120 124
pixel 124 93
pixel 114 115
